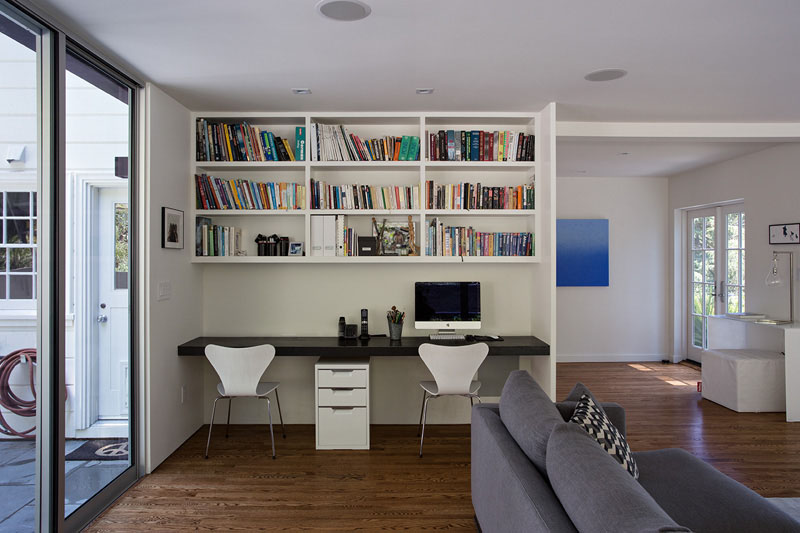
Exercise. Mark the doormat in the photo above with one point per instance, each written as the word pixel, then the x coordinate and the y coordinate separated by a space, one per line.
pixel 100 450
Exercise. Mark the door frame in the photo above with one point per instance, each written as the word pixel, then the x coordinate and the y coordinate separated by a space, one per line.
pixel 86 187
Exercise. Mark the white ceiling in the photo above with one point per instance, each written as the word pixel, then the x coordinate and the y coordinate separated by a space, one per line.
pixel 715 60
pixel 643 158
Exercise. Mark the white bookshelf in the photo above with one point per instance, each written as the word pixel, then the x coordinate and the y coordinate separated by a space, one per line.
pixel 296 224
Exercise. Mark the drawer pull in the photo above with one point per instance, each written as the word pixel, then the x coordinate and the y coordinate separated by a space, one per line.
pixel 342 392
pixel 341 409
pixel 338 371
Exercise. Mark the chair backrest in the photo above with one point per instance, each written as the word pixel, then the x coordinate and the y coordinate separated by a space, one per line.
pixel 453 366
pixel 240 369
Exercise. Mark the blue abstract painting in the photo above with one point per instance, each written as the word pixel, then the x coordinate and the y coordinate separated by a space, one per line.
pixel 582 252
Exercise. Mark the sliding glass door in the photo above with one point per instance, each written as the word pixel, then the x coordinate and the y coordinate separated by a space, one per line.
pixel 68 248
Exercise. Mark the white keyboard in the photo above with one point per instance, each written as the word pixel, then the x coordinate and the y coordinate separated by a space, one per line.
pixel 447 337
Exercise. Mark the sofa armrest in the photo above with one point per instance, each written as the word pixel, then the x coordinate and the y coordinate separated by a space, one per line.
pixel 615 412
pixel 508 492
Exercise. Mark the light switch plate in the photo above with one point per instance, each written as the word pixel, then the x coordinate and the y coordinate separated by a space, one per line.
pixel 164 290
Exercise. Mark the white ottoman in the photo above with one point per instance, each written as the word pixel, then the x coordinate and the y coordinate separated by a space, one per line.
pixel 747 381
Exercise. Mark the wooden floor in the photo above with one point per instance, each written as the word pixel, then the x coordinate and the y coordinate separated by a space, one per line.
pixel 389 487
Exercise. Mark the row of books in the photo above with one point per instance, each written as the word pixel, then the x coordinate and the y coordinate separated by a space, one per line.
pixel 220 193
pixel 331 142
pixel 476 145
pixel 216 240
pixel 476 196
pixel 459 240
pixel 355 196
pixel 218 141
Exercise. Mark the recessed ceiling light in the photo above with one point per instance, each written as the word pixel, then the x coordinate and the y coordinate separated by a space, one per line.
pixel 624 153
pixel 425 90
pixel 606 74
pixel 581 172
pixel 344 10
pixel 302 90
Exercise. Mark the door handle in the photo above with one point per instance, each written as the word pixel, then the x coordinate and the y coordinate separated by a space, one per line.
pixel 102 319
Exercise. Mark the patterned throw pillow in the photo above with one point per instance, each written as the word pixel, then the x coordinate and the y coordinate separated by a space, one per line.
pixel 594 421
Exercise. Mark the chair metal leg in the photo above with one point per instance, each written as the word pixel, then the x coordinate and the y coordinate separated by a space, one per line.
pixel 230 401
pixel 211 425
pixel 424 419
pixel 278 399
pixel 422 405
pixel 471 403
pixel 479 399
pixel 271 435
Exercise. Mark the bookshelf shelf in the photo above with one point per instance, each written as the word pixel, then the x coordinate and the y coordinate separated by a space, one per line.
pixel 296 224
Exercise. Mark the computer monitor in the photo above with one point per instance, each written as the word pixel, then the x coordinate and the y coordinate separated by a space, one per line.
pixel 447 305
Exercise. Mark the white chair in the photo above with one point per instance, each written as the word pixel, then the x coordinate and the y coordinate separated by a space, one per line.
pixel 452 368
pixel 240 370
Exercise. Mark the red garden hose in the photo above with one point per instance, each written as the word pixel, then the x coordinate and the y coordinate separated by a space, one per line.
pixel 11 401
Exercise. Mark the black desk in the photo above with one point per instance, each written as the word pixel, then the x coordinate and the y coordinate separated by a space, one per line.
pixel 374 347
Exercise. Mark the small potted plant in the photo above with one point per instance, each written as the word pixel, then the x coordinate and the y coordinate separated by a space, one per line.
pixel 395 319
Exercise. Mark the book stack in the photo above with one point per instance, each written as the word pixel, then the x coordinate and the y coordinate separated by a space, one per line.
pixel 215 240
pixel 218 141
pixel 458 241
pixel 474 196
pixel 476 145
pixel 355 196
pixel 330 236
pixel 334 143
pixel 220 193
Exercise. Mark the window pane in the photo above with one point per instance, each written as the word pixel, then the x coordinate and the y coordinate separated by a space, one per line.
pixel 2 204
pixel 733 230
pixel 20 287
pixel 19 231
pixel 20 259
pixel 697 331
pixel 2 297
pixel 709 266
pixel 698 298
pixel 2 259
pixel 697 233
pixel 733 267
pixel 743 231
pixel 697 266
pixel 709 307
pixel 709 232
pixel 733 299
pixel 18 204
pixel 743 265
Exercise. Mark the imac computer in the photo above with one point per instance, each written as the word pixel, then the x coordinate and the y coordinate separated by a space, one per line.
pixel 447 306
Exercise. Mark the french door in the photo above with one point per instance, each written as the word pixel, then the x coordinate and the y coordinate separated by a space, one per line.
pixel 716 267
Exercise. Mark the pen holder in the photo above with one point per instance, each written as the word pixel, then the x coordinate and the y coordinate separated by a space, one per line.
pixel 395 330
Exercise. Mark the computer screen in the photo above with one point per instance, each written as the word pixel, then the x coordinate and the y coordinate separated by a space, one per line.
pixel 447 305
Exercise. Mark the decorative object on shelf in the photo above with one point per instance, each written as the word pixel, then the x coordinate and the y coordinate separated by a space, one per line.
pixel 775 278
pixel 296 248
pixel 171 228
pixel 784 233
pixel 394 238
pixel 395 318
pixel 582 252
pixel 367 246
pixel 261 243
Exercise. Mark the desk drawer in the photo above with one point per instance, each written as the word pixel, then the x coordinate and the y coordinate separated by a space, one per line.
pixel 342 378
pixel 342 427
pixel 342 398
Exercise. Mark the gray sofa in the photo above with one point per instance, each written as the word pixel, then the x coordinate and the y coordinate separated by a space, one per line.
pixel 532 471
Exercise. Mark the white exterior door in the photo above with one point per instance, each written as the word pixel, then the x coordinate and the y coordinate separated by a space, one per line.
pixel 716 261
pixel 110 303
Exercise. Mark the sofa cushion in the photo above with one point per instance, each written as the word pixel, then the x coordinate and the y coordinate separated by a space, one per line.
pixel 592 419
pixel 596 493
pixel 529 415
pixel 578 391
pixel 700 497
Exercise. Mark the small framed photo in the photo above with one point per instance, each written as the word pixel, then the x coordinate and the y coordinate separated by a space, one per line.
pixel 295 248
pixel 784 233
pixel 171 228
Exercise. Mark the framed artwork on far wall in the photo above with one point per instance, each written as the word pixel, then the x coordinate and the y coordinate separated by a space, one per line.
pixel 784 233
pixel 171 228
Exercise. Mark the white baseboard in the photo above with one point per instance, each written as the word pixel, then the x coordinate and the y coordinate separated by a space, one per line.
pixel 611 358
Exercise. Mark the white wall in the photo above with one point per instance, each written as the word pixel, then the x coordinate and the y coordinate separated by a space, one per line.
pixel 626 321
pixel 169 322
pixel 769 183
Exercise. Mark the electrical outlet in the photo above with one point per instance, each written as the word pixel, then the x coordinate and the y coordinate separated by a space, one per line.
pixel 164 290
pixel 183 393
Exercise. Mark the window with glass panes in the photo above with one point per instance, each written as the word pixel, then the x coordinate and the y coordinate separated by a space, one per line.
pixel 17 245
pixel 734 252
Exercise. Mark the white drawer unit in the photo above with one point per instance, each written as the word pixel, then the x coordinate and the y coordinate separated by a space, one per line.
pixel 342 403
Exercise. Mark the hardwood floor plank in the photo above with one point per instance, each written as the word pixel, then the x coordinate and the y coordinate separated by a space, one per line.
pixel 389 488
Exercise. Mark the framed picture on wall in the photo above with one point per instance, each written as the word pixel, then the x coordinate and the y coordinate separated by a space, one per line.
pixel 784 233
pixel 171 228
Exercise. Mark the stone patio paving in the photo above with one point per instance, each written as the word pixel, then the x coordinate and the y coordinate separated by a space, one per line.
pixel 18 479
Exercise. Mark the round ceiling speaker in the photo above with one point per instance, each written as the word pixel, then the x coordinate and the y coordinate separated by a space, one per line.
pixel 344 10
